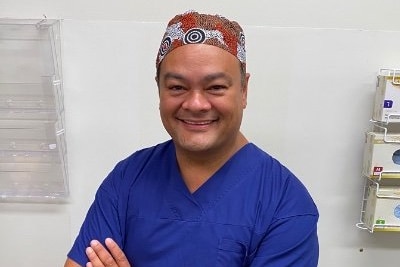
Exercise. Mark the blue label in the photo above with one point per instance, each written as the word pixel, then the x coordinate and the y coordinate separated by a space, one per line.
pixel 388 104
pixel 397 211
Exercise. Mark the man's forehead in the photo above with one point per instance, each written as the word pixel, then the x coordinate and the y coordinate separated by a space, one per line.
pixel 206 77
pixel 200 53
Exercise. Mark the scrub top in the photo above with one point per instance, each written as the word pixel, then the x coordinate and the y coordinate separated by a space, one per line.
pixel 252 212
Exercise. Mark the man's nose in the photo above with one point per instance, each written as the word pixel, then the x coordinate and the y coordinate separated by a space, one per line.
pixel 196 100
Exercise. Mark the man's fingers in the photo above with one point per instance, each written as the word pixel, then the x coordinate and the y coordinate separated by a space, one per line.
pixel 117 253
pixel 94 260
pixel 99 256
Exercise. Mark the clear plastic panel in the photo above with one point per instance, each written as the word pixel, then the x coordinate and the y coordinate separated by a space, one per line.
pixel 33 154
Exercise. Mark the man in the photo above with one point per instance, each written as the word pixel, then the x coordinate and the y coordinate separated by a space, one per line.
pixel 208 197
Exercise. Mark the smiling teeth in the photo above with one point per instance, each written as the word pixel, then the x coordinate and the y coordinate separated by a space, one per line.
pixel 198 122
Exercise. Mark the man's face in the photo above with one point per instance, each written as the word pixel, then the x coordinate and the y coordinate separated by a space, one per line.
pixel 202 97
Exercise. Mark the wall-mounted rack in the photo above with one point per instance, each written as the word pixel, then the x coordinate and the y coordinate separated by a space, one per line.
pixel 33 153
pixel 380 208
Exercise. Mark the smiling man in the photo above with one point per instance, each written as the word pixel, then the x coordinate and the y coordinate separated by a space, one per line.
pixel 208 196
pixel 201 105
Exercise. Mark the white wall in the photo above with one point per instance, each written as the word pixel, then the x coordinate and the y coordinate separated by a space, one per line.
pixel 313 67
pixel 354 14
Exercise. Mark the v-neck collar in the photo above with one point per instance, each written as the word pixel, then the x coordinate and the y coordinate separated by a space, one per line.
pixel 192 206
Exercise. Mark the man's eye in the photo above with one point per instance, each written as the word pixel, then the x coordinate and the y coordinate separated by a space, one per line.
pixel 176 88
pixel 217 88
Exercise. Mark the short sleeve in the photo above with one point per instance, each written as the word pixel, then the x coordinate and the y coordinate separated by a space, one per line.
pixel 291 237
pixel 291 241
pixel 101 221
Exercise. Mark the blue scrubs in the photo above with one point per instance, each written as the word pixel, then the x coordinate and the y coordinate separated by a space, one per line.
pixel 252 212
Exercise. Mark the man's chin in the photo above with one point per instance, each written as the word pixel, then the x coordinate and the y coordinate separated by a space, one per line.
pixel 194 145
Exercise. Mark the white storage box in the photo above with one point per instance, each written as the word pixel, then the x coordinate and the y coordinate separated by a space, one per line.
pixel 387 97
pixel 382 209
pixel 381 155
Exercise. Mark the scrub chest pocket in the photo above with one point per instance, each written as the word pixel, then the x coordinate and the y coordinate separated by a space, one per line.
pixel 231 253
pixel 166 242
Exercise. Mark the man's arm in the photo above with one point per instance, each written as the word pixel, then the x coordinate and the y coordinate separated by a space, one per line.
pixel 71 263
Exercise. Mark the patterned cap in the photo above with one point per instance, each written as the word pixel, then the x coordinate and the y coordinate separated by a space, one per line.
pixel 194 28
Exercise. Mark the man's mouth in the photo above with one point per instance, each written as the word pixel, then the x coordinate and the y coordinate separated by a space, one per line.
pixel 202 122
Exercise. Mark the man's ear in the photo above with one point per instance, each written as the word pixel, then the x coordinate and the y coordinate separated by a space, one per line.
pixel 244 90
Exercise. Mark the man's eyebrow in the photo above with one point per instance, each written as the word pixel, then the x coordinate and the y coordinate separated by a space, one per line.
pixel 172 75
pixel 207 78
pixel 218 75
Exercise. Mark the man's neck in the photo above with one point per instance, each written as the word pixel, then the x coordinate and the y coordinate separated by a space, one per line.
pixel 197 167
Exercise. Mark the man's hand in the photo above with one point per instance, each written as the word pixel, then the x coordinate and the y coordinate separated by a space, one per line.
pixel 99 256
